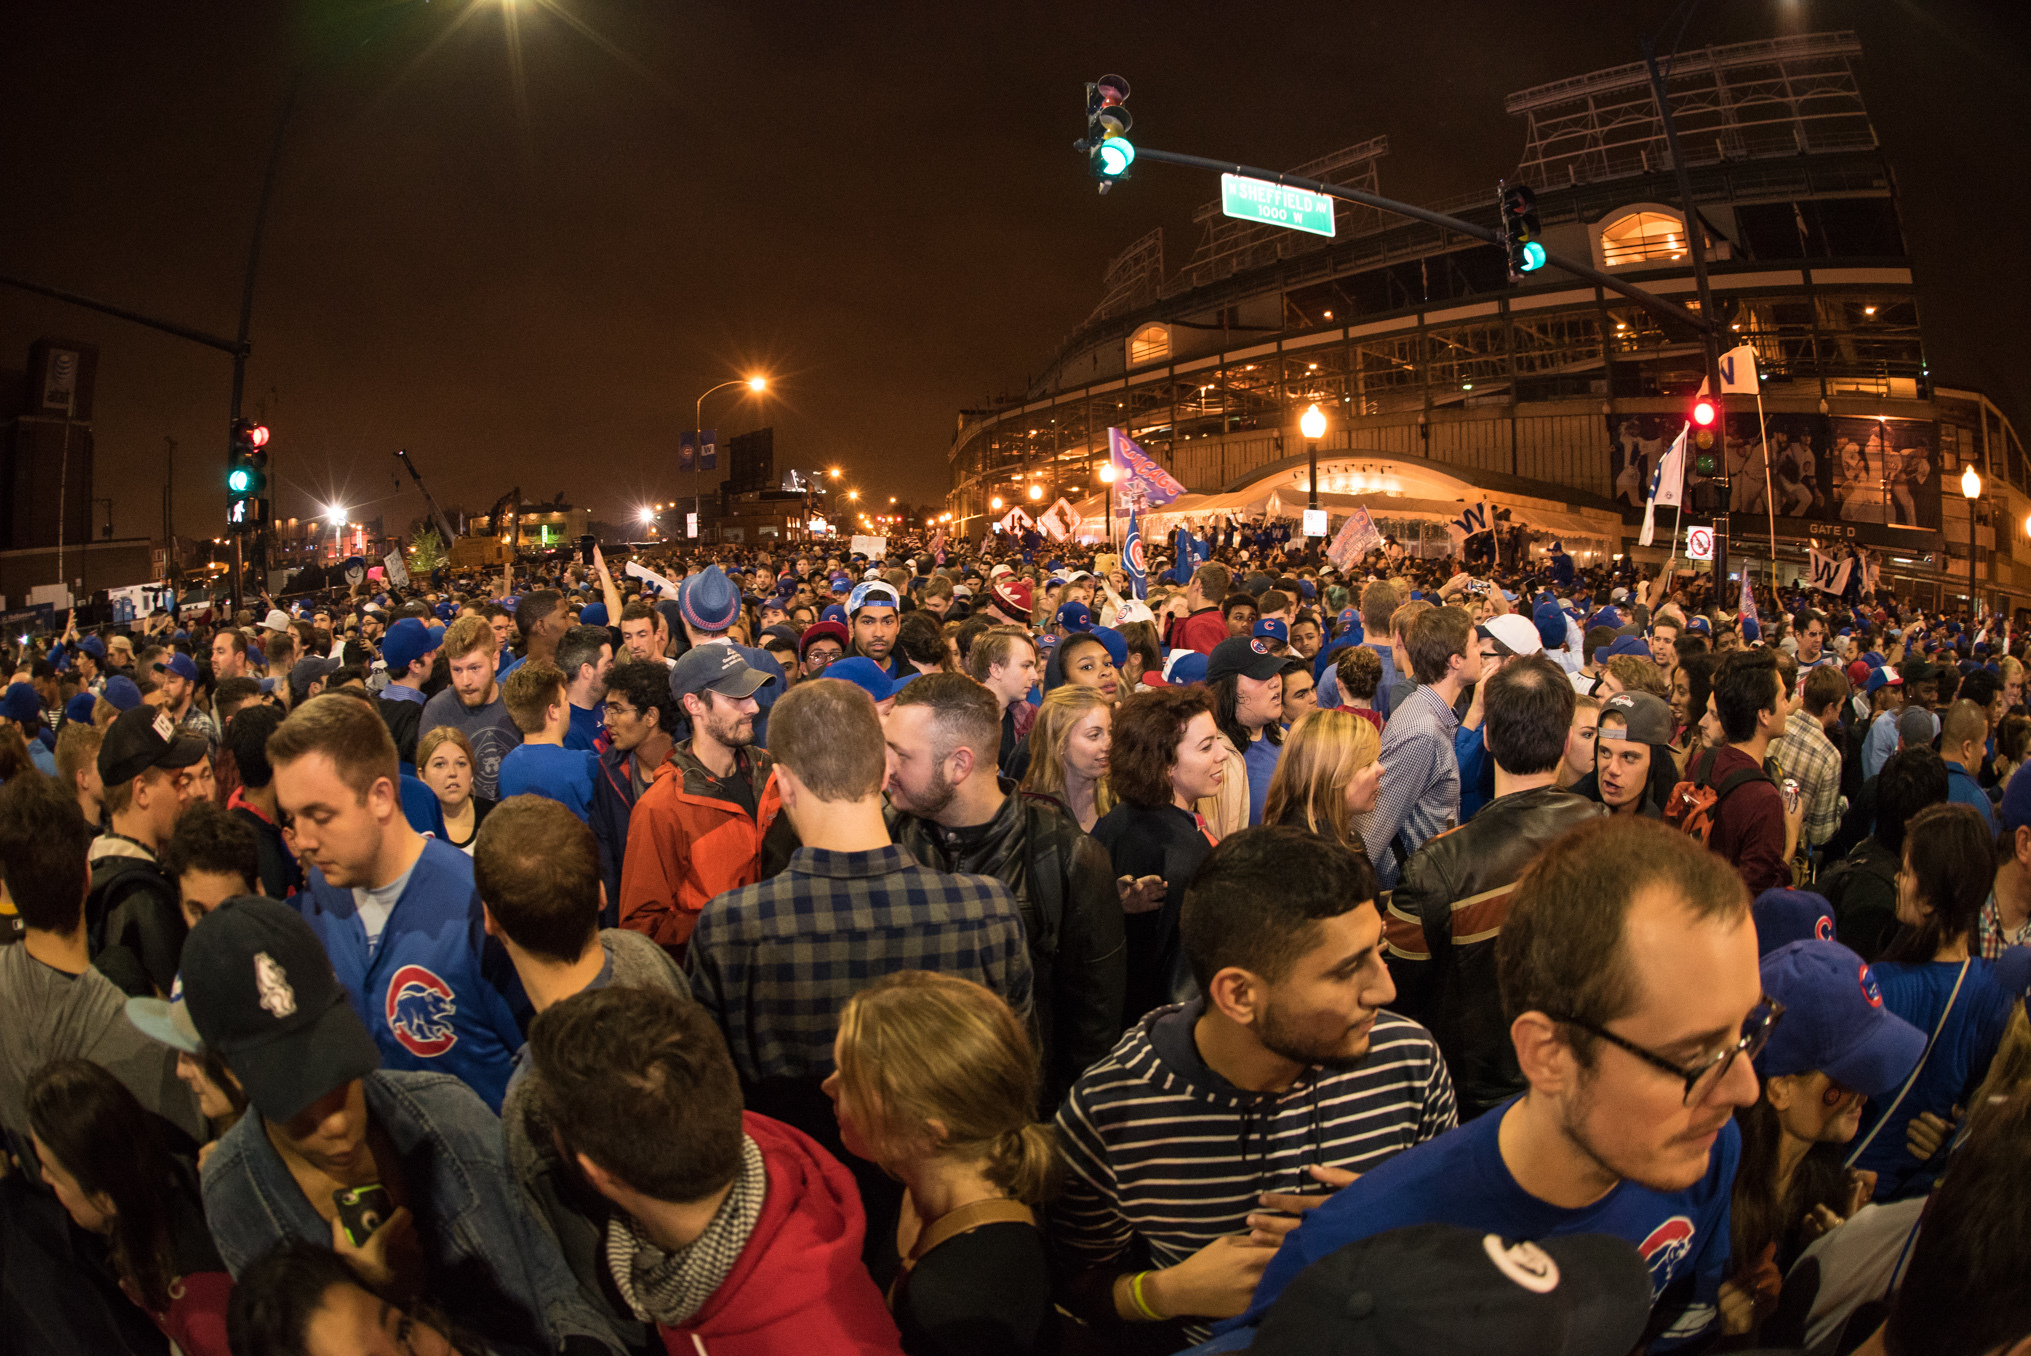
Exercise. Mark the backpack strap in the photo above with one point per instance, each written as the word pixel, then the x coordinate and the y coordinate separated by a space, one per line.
pixel 1931 1042
pixel 953 1223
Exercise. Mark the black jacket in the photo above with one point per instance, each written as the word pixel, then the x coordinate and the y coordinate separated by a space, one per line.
pixel 1071 912
pixel 1442 925
pixel 1168 842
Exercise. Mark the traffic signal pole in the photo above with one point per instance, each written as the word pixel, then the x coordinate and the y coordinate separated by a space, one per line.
pixel 1710 333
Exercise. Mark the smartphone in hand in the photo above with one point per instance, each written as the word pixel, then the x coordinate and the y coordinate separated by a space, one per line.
pixel 361 1210
pixel 586 545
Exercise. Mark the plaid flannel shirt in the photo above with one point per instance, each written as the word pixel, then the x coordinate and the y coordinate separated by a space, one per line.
pixel 1804 752
pixel 775 962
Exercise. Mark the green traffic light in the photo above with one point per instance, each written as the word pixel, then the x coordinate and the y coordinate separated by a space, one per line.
pixel 239 480
pixel 1116 155
pixel 1533 256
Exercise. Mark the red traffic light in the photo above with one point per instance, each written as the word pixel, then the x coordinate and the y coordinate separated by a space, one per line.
pixel 258 435
pixel 1703 412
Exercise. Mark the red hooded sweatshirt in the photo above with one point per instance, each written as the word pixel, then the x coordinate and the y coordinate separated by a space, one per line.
pixel 799 1286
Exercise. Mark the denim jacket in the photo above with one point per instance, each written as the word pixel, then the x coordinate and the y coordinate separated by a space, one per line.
pixel 492 1269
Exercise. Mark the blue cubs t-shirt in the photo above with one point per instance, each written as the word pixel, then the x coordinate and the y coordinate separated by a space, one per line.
pixel 585 728
pixel 1459 1178
pixel 564 775
pixel 1260 758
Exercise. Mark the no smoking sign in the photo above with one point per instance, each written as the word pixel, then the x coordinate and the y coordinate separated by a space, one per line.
pixel 1699 543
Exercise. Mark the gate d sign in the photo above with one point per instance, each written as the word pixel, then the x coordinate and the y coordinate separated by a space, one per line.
pixel 1699 543
pixel 1274 205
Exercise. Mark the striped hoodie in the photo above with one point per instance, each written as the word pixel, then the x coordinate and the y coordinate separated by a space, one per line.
pixel 1164 1155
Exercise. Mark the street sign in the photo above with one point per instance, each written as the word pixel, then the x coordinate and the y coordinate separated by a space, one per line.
pixel 1273 204
pixel 1699 543
pixel 1315 522
pixel 690 524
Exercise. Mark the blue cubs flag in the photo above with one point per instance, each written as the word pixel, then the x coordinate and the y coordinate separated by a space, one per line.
pixel 708 449
pixel 1188 553
pixel 1131 558
pixel 1139 483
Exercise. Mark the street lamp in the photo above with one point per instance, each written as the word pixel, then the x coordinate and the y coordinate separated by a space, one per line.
pixel 1036 491
pixel 755 383
pixel 995 504
pixel 1107 474
pixel 1971 486
pixel 1313 426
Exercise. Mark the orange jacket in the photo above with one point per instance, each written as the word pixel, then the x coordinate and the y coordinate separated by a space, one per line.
pixel 686 843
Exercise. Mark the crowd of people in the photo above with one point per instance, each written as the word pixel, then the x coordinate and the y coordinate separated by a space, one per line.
pixel 981 951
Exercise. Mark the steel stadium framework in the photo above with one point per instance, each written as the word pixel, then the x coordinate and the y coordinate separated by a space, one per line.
pixel 1424 352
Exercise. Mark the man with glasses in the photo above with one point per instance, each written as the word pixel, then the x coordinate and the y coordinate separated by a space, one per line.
pixel 1628 971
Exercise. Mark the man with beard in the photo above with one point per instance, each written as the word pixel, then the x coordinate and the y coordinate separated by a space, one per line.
pixel 1284 1080
pixel 952 811
pixel 473 703
pixel 1628 971
pixel 700 829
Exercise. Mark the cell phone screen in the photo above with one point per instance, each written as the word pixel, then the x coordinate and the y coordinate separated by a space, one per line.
pixel 586 544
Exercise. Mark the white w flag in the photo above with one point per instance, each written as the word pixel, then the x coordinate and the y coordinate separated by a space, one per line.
pixel 1473 520
pixel 1667 487
pixel 1830 575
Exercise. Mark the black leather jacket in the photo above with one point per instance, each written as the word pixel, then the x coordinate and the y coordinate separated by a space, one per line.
pixel 1441 927
pixel 1071 912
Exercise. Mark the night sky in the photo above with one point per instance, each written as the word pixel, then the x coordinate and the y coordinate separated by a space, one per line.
pixel 528 280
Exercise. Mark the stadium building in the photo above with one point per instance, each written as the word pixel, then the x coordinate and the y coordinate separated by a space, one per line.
pixel 1553 399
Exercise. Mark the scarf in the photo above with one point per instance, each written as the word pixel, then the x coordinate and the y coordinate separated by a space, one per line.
pixel 669 1287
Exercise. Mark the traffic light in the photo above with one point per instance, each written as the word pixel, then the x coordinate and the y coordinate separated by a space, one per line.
pixel 246 476
pixel 1705 449
pixel 1520 231
pixel 1109 152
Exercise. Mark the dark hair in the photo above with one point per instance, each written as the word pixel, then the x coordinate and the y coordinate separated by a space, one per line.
pixel 280 1292
pixel 579 647
pixel 1953 865
pixel 1911 779
pixel 1963 1293
pixel 43 843
pixel 103 1137
pixel 921 638
pixel 1238 599
pixel 1562 948
pixel 208 838
pixel 1147 728
pixel 1980 687
pixel 235 693
pixel 640 1082
pixel 1257 899
pixel 1226 695
pixel 1745 686
pixel 645 685
pixel 534 609
pixel 246 738
pixel 1529 704
pixel 536 867
pixel 970 630
pixel 1758 1216
pixel 1435 636
pixel 1699 683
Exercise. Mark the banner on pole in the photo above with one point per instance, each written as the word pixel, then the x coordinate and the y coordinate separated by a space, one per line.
pixel 1139 483
pixel 708 450
pixel 1667 487
pixel 1828 574
pixel 1738 371
pixel 687 450
pixel 1356 538
pixel 1472 522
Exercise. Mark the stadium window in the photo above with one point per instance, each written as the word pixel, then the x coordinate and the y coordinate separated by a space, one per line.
pixel 1150 344
pixel 1642 237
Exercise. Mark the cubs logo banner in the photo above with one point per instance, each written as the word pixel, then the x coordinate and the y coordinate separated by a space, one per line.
pixel 1474 520
pixel 420 1009
pixel 1132 558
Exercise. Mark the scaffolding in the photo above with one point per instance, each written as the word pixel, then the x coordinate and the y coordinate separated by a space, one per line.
pixel 1230 246
pixel 1751 100
pixel 1133 277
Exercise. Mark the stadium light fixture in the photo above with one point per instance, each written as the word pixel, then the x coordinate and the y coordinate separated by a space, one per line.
pixel 1036 491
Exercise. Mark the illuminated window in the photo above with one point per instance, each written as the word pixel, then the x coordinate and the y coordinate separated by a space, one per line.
pixel 1642 237
pixel 1150 344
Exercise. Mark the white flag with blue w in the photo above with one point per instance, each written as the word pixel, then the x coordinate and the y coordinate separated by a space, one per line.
pixel 1667 486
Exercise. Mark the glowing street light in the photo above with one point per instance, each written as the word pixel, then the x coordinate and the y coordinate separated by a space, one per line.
pixel 1971 486
pixel 995 504
pixel 1313 426
pixel 1036 491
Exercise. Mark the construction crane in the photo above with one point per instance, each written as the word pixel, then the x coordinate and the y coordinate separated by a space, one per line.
pixel 443 523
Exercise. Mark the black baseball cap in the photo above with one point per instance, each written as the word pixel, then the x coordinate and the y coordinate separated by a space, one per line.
pixel 1244 655
pixel 308 671
pixel 260 991
pixel 1440 1288
pixel 146 737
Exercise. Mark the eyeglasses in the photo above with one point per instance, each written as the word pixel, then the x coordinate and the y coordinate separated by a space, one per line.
pixel 1703 1075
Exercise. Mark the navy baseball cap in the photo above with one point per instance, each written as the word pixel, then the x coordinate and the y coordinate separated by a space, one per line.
pixel 178 663
pixel 1272 629
pixel 1834 1021
pixel 80 707
pixel 864 674
pixel 122 692
pixel 1075 616
pixel 1882 677
pixel 1188 667
pixel 1622 645
pixel 715 668
pixel 1786 916
pixel 1117 648
pixel 20 703
pixel 407 641
pixel 592 614
pixel 1244 656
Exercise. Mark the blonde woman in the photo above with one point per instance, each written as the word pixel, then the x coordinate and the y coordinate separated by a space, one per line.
pixel 444 762
pixel 1068 752
pixel 1328 774
pixel 936 1084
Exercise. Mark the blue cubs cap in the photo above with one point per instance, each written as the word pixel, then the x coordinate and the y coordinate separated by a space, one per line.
pixel 1786 916
pixel 1752 630
pixel 1699 625
pixel 1621 646
pixel 833 612
pixel 1075 617
pixel 864 674
pixel 2015 811
pixel 93 646
pixel 1117 648
pixel 178 663
pixel 122 693
pixel 1188 667
pixel 20 703
pixel 708 601
pixel 592 614
pixel 1550 619
pixel 407 641
pixel 1834 1021
pixel 79 708
pixel 1272 629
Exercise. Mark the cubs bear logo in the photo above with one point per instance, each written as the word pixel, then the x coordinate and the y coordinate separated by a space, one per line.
pixel 1669 1244
pixel 420 1009
pixel 1869 989
pixel 1258 647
